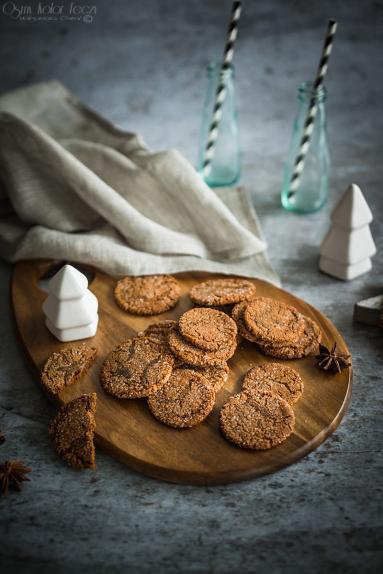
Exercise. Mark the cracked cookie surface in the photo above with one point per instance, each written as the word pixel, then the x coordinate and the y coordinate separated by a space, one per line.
pixel 159 332
pixel 272 321
pixel 185 400
pixel 72 432
pixel 307 343
pixel 257 421
pixel 149 295
pixel 207 329
pixel 66 367
pixel 237 315
pixel 275 378
pixel 216 376
pixel 217 292
pixel 136 368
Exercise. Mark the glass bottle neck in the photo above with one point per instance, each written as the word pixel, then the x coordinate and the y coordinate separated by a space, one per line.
pixel 306 93
pixel 214 71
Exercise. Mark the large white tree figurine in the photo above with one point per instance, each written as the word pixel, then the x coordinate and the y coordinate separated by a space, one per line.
pixel 347 249
pixel 70 308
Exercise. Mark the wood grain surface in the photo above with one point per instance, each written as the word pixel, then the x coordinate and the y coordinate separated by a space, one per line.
pixel 200 455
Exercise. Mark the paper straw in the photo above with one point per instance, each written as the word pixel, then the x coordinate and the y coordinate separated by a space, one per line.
pixel 221 89
pixel 311 113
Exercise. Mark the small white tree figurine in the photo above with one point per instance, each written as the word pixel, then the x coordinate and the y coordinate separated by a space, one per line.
pixel 70 308
pixel 347 249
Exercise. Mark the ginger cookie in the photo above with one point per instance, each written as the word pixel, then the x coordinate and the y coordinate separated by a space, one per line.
pixel 275 378
pixel 65 367
pixel 72 431
pixel 185 400
pixel 149 295
pixel 207 329
pixel 237 315
pixel 136 368
pixel 159 332
pixel 307 343
pixel 272 321
pixel 257 421
pixel 217 292
pixel 216 376
pixel 189 353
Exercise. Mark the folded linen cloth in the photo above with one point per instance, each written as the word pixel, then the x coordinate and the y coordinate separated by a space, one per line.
pixel 75 187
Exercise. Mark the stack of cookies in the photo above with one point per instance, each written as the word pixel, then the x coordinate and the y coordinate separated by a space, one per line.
pixel 278 329
pixel 178 367
pixel 261 416
pixel 160 332
pixel 188 396
pixel 144 367
pixel 204 338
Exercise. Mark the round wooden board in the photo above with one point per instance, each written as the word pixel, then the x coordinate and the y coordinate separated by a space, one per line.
pixel 200 455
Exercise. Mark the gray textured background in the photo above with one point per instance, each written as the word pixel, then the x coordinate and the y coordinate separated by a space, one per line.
pixel 141 64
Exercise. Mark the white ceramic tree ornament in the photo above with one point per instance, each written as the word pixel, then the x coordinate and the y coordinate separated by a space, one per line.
pixel 70 308
pixel 347 249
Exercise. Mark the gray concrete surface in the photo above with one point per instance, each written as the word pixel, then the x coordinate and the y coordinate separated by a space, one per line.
pixel 141 64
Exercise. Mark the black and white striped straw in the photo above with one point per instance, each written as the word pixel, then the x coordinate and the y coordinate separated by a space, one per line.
pixel 221 89
pixel 312 110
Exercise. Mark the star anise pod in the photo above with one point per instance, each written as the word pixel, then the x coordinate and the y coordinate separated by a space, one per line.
pixel 2 438
pixel 330 360
pixel 12 473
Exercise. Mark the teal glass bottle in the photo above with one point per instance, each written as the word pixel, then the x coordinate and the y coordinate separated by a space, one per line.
pixel 225 165
pixel 312 191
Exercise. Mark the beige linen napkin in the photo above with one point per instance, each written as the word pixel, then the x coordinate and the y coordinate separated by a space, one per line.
pixel 75 187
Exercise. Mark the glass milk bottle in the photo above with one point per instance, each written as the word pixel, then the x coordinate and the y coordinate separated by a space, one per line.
pixel 225 165
pixel 312 191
